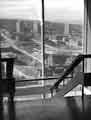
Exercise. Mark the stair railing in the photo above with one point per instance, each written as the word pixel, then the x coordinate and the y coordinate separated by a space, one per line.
pixel 80 58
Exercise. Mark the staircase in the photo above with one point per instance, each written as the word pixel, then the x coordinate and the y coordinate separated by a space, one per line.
pixel 78 79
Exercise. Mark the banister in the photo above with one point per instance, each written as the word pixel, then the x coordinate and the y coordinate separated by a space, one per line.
pixel 74 63
pixel 87 56
pixel 39 79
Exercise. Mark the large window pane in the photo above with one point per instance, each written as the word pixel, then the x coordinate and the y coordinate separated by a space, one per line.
pixel 20 28
pixel 63 34
pixel 20 24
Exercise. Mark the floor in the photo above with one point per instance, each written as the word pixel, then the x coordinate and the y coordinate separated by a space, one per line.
pixel 70 108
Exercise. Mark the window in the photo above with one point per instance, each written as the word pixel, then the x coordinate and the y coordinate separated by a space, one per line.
pixel 21 29
pixel 63 34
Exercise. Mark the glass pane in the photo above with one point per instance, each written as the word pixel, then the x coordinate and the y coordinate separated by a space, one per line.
pixel 63 34
pixel 20 29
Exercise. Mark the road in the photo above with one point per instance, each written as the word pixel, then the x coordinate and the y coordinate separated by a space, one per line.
pixel 10 41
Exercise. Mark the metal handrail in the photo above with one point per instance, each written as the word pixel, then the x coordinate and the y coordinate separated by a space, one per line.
pixel 40 79
pixel 71 67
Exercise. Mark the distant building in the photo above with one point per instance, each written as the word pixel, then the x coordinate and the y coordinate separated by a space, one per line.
pixel 66 28
pixel 35 27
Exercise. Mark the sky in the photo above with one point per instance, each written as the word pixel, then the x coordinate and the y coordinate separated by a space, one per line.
pixel 55 10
